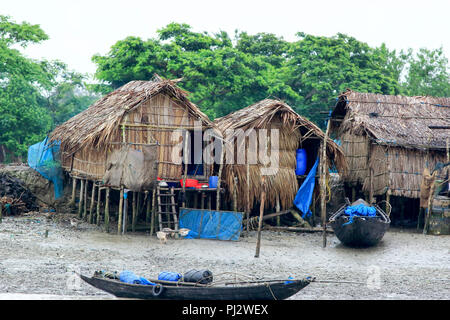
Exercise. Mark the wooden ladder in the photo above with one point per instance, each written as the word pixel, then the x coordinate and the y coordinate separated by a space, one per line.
pixel 167 209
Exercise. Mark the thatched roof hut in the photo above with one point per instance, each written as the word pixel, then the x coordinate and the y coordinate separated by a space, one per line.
pixel 139 113
pixel 389 140
pixel 294 132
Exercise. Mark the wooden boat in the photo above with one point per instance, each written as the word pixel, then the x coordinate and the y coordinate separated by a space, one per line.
pixel 363 231
pixel 167 290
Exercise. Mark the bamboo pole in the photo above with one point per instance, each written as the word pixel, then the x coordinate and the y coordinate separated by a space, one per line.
pixel 152 222
pixel 74 189
pixel 91 207
pixel 248 195
pixel 234 194
pixel 85 200
pixel 388 199
pixel 134 212
pixel 148 208
pixel 1 212
pixel 260 221
pixel 119 219
pixel 185 154
pixel 125 211
pixel 219 178
pixel 323 204
pixel 277 209
pixel 430 207
pixel 371 199
pixel 80 203
pixel 99 198
pixel 107 210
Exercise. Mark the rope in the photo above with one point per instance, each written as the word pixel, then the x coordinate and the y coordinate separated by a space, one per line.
pixel 271 292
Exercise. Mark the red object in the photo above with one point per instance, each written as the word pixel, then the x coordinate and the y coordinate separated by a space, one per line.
pixel 200 185
pixel 158 178
pixel 190 183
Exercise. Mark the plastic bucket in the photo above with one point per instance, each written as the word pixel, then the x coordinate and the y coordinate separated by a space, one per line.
pixel 213 181
pixel 301 162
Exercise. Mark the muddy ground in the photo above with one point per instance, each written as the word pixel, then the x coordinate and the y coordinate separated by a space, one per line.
pixel 405 265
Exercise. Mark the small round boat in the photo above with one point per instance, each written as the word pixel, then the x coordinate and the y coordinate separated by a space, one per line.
pixel 362 231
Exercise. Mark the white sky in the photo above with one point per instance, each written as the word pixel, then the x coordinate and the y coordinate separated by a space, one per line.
pixel 80 29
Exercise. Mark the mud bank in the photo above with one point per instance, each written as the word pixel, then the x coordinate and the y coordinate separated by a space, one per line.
pixel 405 265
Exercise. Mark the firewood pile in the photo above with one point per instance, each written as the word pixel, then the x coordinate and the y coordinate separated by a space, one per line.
pixel 14 198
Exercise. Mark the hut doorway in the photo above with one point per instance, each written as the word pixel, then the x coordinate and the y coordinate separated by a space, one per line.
pixel 195 146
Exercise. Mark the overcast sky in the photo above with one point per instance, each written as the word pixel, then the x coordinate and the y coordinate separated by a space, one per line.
pixel 80 29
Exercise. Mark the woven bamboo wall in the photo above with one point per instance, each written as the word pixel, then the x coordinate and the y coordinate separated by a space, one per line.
pixel 155 121
pixel 355 148
pixel 401 169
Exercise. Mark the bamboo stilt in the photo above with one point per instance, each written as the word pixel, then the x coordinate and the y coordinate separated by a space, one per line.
pixel 91 207
pixel 107 209
pixel 99 198
pixel 148 208
pixel 80 203
pixel 235 194
pixel 260 221
pixel 248 196
pixel 125 212
pixel 1 213
pixel 134 212
pixel 85 200
pixel 74 189
pixel 152 222
pixel 119 219
pixel 219 178
pixel 323 176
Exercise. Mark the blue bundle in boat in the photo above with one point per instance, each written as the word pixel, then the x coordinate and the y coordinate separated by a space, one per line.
pixel 130 277
pixel 169 276
pixel 360 210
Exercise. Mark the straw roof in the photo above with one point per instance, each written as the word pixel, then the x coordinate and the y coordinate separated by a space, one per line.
pixel 261 113
pixel 293 130
pixel 95 126
pixel 395 120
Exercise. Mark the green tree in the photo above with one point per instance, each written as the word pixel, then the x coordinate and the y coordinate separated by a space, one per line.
pixel 23 120
pixel 425 73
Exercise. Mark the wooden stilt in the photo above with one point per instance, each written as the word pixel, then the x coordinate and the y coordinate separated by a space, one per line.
pixel 134 212
pixel 219 178
pixel 277 209
pixel 323 186
pixel 148 211
pixel 371 199
pixel 260 221
pixel 85 200
pixel 202 197
pixel 91 207
pixel 125 212
pixel 185 154
pixel 430 207
pixel 235 194
pixel 107 209
pixel 388 199
pixel 152 222
pixel 99 198
pixel 80 202
pixel 353 194
pixel 1 212
pixel 74 189
pixel 119 219
pixel 248 195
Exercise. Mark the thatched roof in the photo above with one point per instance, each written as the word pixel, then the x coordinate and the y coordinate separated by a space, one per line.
pixel 261 113
pixel 395 120
pixel 95 126
pixel 293 130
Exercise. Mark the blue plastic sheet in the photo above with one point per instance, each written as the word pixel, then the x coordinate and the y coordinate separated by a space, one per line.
pixel 360 210
pixel 169 276
pixel 303 197
pixel 44 158
pixel 129 277
pixel 206 224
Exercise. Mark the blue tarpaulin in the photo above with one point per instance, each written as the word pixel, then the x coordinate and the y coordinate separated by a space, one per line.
pixel 44 158
pixel 360 210
pixel 304 195
pixel 207 224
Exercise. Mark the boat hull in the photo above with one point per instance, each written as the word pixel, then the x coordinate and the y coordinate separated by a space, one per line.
pixel 264 291
pixel 362 232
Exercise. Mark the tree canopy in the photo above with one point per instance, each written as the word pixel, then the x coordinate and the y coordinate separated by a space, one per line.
pixel 224 74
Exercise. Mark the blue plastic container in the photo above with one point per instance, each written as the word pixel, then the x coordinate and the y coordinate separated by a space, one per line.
pixel 213 181
pixel 301 162
pixel 169 276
